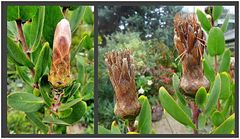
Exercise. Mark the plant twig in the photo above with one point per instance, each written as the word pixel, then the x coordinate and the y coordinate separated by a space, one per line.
pixel 195 114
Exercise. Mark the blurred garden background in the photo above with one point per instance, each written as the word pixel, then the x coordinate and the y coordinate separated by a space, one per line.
pixel 148 32
pixel 81 20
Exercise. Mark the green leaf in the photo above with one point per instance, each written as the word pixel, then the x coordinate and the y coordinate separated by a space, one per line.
pixel 27 12
pixel 24 102
pixel 65 113
pixel 176 82
pixel 41 62
pixel 53 15
pixel 225 62
pixel 87 91
pixel 208 71
pixel 145 116
pixel 45 89
pixel 79 110
pixel 103 130
pixel 70 91
pixel 87 43
pixel 12 30
pixel 54 120
pixel 216 41
pixel 37 27
pixel 173 109
pixel 217 11
pixel 17 54
pixel 79 46
pixel 226 127
pixel 214 95
pixel 217 118
pixel 20 12
pixel 227 107
pixel 226 86
pixel 68 105
pixel 81 70
pixel 201 121
pixel 114 128
pixel 201 97
pixel 88 16
pixel 26 32
pixel 23 74
pixel 205 23
pixel 34 118
pixel 224 26
pixel 76 18
pixel 12 13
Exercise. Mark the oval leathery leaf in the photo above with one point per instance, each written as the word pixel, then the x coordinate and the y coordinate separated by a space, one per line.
pixel 54 120
pixel 79 110
pixel 42 61
pixel 217 11
pixel 201 97
pixel 208 71
pixel 226 127
pixel 37 27
pixel 145 116
pixel 217 118
pixel 45 89
pixel 205 23
pixel 68 105
pixel 226 85
pixel 65 113
pixel 76 17
pixel 35 119
pixel 224 26
pixel 53 15
pixel 213 95
pixel 225 61
pixel 23 73
pixel 26 102
pixel 215 42
pixel 17 54
pixel 176 82
pixel 21 12
pixel 173 109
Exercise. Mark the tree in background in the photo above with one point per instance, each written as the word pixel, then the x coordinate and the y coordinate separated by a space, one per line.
pixel 150 21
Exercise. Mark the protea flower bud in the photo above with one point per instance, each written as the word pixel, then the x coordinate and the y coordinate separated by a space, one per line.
pixel 121 72
pixel 60 68
pixel 189 40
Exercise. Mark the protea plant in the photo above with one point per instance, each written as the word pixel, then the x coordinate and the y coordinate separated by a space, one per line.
pixel 189 40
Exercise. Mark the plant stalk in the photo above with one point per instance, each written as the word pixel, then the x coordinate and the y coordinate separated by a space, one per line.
pixel 195 114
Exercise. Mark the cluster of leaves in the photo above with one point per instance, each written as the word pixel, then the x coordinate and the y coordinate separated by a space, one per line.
pixel 217 104
pixel 33 59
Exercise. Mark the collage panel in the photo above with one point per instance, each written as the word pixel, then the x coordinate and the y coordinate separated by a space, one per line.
pixel 50 69
pixel 166 69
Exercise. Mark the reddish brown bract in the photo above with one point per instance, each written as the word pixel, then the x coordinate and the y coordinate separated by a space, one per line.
pixel 189 40
pixel 121 73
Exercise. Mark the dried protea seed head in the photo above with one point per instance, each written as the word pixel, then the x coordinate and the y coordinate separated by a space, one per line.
pixel 60 68
pixel 189 39
pixel 121 72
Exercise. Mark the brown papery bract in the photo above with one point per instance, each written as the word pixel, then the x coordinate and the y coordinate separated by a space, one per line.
pixel 60 68
pixel 189 39
pixel 121 72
